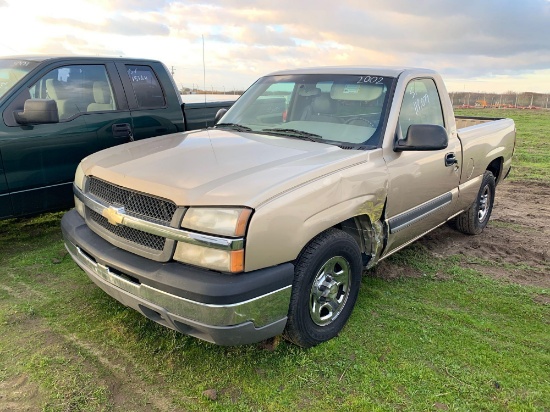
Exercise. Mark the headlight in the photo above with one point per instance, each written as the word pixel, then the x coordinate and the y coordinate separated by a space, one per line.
pixel 79 177
pixel 216 259
pixel 217 221
pixel 79 206
pixel 79 182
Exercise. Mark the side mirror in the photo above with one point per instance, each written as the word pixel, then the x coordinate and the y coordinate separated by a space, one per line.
pixel 423 137
pixel 37 111
pixel 219 115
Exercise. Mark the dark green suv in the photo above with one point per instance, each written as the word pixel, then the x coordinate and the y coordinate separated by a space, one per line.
pixel 57 110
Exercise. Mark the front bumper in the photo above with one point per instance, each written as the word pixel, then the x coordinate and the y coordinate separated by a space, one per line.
pixel 219 308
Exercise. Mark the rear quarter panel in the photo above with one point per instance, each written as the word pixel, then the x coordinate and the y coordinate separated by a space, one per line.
pixel 481 144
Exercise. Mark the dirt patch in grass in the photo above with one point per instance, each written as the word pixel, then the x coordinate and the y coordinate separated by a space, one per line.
pixel 18 393
pixel 75 375
pixel 515 246
pixel 544 299
pixel 390 271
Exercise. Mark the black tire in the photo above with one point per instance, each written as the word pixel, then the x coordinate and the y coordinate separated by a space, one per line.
pixel 327 278
pixel 473 220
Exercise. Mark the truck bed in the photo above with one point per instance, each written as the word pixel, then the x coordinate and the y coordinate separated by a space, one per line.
pixel 201 114
pixel 465 121
pixel 484 139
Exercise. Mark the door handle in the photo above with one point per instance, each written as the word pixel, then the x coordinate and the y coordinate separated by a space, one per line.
pixel 123 130
pixel 450 159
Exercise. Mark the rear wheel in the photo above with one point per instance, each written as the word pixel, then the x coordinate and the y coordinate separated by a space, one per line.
pixel 473 220
pixel 326 284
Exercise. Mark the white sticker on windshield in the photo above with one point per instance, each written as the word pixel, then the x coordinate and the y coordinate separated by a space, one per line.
pixel 351 89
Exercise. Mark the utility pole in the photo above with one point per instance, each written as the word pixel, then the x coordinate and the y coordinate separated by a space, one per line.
pixel 172 70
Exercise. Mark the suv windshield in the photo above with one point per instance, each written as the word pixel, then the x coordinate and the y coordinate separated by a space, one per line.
pixel 13 70
pixel 339 109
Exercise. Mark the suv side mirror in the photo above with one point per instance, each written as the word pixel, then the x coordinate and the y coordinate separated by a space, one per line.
pixel 219 115
pixel 37 111
pixel 423 137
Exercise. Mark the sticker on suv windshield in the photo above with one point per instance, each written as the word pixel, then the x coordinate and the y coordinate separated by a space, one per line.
pixel 351 89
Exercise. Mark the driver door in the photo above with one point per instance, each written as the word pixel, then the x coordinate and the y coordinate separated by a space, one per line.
pixel 422 186
pixel 40 159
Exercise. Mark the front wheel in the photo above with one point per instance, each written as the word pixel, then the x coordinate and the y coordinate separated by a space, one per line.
pixel 326 284
pixel 473 220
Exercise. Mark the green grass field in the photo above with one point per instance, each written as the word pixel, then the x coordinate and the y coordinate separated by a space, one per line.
pixel 447 338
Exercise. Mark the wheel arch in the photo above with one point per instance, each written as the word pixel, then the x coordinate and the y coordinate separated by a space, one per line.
pixel 368 235
pixel 495 167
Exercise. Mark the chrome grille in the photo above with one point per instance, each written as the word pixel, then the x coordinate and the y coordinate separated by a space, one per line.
pixel 135 204
pixel 132 235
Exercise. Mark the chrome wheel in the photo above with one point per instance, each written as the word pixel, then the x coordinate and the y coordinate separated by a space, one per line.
pixel 474 219
pixel 330 291
pixel 484 204
pixel 327 279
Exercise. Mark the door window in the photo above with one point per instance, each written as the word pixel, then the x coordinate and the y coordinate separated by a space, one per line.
pixel 421 105
pixel 76 89
pixel 146 87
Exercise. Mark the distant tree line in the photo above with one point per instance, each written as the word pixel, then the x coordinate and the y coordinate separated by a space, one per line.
pixel 508 99
pixel 212 90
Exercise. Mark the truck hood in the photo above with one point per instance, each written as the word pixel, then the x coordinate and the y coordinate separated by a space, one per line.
pixel 218 167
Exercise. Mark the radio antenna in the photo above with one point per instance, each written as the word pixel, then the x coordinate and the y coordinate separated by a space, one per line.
pixel 203 71
pixel 204 89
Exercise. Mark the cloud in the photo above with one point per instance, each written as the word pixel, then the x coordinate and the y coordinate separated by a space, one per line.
pixel 259 34
pixel 246 39
pixel 131 27
pixel 74 45
pixel 434 27
pixel 135 5
pixel 471 39
pixel 117 25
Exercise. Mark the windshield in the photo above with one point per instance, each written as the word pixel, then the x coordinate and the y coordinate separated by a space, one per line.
pixel 338 109
pixel 11 71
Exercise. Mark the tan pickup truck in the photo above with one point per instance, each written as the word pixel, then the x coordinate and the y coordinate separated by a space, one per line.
pixel 263 224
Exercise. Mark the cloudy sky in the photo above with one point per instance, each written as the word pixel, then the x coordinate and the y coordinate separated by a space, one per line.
pixel 478 45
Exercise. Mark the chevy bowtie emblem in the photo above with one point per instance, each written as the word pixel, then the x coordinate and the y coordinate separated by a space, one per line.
pixel 115 215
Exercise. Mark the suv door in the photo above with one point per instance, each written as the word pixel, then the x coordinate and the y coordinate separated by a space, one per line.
pixel 40 159
pixel 155 110
pixel 5 201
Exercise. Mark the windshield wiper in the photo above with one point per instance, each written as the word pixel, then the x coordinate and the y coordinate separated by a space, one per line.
pixel 298 134
pixel 235 126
